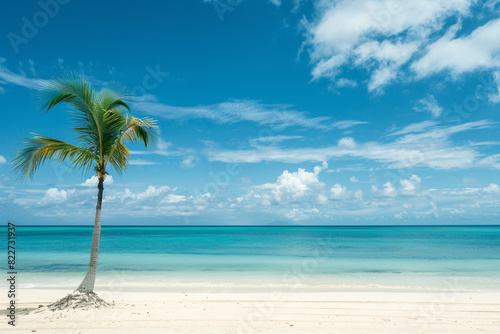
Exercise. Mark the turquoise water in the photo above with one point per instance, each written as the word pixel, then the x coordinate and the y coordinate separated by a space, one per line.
pixel 296 257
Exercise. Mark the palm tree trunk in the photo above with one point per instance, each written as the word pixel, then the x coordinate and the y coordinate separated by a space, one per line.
pixel 88 282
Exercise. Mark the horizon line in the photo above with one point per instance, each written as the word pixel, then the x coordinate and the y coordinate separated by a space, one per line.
pixel 90 225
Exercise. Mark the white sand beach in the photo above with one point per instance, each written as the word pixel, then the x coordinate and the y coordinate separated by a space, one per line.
pixel 349 310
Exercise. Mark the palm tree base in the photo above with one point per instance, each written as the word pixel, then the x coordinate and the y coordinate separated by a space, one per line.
pixel 79 300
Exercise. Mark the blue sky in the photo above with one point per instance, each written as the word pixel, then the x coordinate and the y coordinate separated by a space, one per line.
pixel 296 112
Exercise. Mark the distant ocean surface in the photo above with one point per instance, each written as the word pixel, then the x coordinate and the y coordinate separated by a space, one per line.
pixel 466 257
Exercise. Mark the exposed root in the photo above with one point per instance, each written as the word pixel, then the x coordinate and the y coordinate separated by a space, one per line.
pixel 79 300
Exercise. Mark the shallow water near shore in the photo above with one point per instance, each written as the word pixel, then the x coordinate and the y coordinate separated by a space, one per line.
pixel 226 258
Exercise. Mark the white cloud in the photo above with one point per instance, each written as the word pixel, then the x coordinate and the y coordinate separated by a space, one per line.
pixel 297 214
pixel 345 82
pixel 273 139
pixel 415 128
pixel 322 199
pixel 293 185
pixel 353 179
pixel 18 79
pixel 429 104
pixel 150 192
pixel 173 198
pixel 495 97
pixel 55 196
pixel 294 196
pixel 338 192
pixel 189 162
pixel 141 162
pixel 378 36
pixel 2 160
pixel 401 215
pixel 358 194
pixel 492 189
pixel 410 185
pixel 273 115
pixel 93 181
pixel 32 67
pixel 162 148
pixel 419 145
pixel 388 190
pixel 347 142
pixel 479 50
pixel 21 202
pixel 433 211
pixel 342 125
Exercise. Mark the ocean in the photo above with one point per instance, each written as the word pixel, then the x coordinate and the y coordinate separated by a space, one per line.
pixel 295 257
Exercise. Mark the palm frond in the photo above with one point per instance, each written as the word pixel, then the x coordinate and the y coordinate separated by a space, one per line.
pixel 135 129
pixel 71 88
pixel 118 157
pixel 39 149
pixel 144 130
pixel 113 97
pixel 78 93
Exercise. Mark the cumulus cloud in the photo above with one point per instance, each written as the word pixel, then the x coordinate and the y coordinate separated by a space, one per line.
pixel 293 186
pixel 173 198
pixel 295 196
pixel 159 201
pixel 388 190
pixel 94 180
pixel 338 192
pixel 55 196
pixel 301 213
pixel 150 192
pixel 406 187
pixel 492 189
pixel 2 160
pixel 409 185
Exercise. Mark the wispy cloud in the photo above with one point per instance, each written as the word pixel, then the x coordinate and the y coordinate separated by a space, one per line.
pixel 418 145
pixel 11 78
pixel 141 162
pixel 429 104
pixel 272 115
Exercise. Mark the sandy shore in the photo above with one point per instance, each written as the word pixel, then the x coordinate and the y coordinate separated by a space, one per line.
pixel 362 310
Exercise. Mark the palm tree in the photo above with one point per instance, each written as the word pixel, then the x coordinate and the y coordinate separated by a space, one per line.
pixel 103 126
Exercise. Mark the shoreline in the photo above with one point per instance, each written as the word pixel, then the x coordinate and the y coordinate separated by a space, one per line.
pixel 261 288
